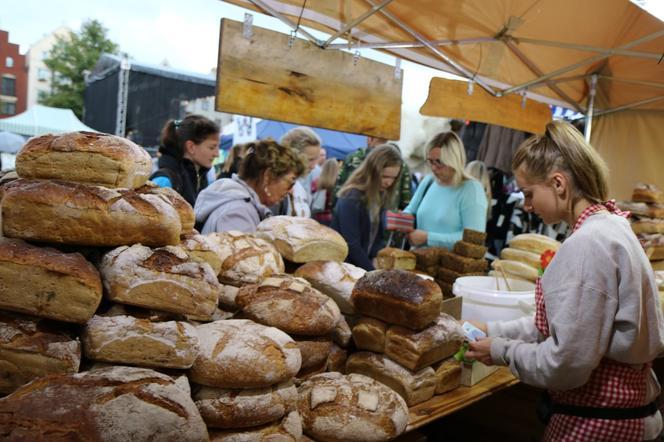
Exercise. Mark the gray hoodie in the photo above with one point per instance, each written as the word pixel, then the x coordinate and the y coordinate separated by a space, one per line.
pixel 229 204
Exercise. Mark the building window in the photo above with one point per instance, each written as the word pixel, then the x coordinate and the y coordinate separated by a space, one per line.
pixel 41 96
pixel 42 74
pixel 9 62
pixel 8 86
pixel 44 55
pixel 7 108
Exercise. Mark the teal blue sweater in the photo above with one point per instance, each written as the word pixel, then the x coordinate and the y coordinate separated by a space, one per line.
pixel 446 210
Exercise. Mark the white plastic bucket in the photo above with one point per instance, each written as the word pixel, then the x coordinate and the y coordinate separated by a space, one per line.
pixel 486 298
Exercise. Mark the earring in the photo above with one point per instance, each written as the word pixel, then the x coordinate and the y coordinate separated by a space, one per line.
pixel 267 192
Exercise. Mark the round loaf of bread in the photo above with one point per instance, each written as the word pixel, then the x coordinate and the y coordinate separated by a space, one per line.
pixel 336 407
pixel 127 340
pixel 223 408
pixel 70 213
pixel 202 249
pixel 109 404
pixel 238 353
pixel 184 209
pixel 334 279
pixel 85 157
pixel 303 239
pixel 163 279
pixel 246 259
pixel 288 429
pixel 314 351
pixel 534 242
pixel 290 304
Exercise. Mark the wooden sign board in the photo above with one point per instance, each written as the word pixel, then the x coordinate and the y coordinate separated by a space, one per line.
pixel 265 77
pixel 449 98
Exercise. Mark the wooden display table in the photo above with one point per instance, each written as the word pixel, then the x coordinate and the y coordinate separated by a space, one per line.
pixel 447 403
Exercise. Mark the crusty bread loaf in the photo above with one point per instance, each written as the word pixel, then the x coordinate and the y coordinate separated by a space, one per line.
pixel 289 429
pixel 474 236
pixel 393 258
pixel 127 340
pixel 70 213
pixel 469 250
pixel 290 304
pixel 647 193
pixel 534 242
pixel 427 257
pixel 648 226
pixel 416 350
pixel 228 297
pixel 516 269
pixel 164 279
pixel 303 239
pixel 636 208
pixel 341 334
pixel 398 297
pixel 524 256
pixel 336 361
pixel 85 157
pixel 653 244
pixel 31 348
pixel 223 408
pixel 47 283
pixel 314 351
pixel 655 211
pixel 246 259
pixel 461 264
pixel 413 387
pixel 335 407
pixel 448 276
pixel 109 404
pixel 183 208
pixel 203 249
pixel 334 279
pixel 369 334
pixel 448 375
pixel 238 353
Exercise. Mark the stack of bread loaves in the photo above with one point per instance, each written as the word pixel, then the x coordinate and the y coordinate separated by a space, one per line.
pixel 403 333
pixel 522 259
pixel 466 259
pixel 393 258
pixel 647 208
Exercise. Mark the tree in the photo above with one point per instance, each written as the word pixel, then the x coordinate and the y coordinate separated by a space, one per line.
pixel 71 56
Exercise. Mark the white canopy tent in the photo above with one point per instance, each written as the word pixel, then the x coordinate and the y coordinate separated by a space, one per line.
pixel 39 120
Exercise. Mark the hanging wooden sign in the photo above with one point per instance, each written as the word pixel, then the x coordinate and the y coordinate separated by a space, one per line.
pixel 449 98
pixel 270 77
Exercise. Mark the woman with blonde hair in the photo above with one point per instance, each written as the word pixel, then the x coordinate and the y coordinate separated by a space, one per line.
pixel 307 144
pixel 598 324
pixel 478 170
pixel 322 188
pixel 449 200
pixel 358 214
pixel 232 163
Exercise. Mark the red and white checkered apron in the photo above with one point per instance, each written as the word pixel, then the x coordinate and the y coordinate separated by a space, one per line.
pixel 611 384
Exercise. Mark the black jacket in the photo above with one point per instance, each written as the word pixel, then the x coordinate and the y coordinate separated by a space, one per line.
pixel 186 178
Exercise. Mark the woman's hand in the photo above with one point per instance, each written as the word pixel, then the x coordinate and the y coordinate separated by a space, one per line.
pixel 480 350
pixel 418 237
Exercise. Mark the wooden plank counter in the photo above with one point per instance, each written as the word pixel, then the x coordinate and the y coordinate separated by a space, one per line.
pixel 461 397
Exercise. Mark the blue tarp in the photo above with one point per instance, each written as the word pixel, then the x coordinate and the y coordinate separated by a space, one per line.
pixel 226 142
pixel 336 144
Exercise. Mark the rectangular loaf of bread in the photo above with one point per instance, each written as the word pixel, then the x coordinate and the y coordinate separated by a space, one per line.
pixel 448 375
pixel 469 250
pixel 461 264
pixel 46 282
pixel 414 387
pixel 31 348
pixel 70 213
pixel 415 350
pixel 369 334
pixel 398 297
pixel 393 258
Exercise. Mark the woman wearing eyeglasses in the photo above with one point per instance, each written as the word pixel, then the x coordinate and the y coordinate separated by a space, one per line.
pixel 449 200
pixel 267 173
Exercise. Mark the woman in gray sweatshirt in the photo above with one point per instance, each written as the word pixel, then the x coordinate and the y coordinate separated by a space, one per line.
pixel 598 324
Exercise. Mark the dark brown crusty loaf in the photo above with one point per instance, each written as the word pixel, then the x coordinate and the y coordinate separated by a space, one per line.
pixel 224 408
pixel 336 407
pixel 474 236
pixel 163 279
pixel 47 283
pixel 31 348
pixel 290 304
pixel 469 250
pixel 461 264
pixel 85 157
pixel 108 404
pixel 71 213
pixel 398 297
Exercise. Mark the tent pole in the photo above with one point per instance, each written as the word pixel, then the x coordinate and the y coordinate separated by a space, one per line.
pixel 273 12
pixel 356 22
pixel 591 107
pixel 411 44
pixel 632 105
pixel 605 51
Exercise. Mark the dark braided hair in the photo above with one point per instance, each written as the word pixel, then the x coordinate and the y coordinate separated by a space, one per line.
pixel 176 132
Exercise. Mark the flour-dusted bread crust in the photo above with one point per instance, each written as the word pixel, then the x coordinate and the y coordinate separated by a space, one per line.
pixel 246 259
pixel 109 404
pixel 336 407
pixel 31 348
pixel 46 282
pixel 203 249
pixel 163 279
pixel 288 429
pixel 127 340
pixel 238 353
pixel 416 350
pixel 85 157
pixel 80 214
pixel 303 239
pixel 413 386
pixel 334 279
pixel 534 242
pixel 225 408
pixel 369 334
pixel 398 297
pixel 183 208
pixel 291 305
